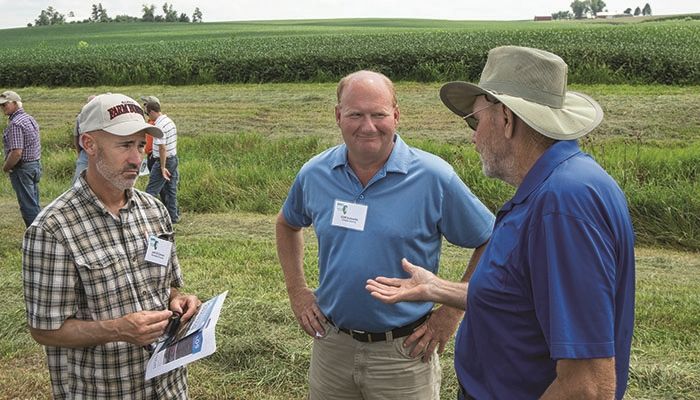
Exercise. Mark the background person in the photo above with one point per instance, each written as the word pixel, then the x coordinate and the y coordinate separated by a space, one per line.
pixel 164 176
pixel 22 155
pixel 371 201
pixel 150 160
pixel 94 297
pixel 550 308
pixel 82 161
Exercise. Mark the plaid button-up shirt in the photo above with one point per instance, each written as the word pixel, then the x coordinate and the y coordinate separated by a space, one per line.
pixel 81 262
pixel 22 132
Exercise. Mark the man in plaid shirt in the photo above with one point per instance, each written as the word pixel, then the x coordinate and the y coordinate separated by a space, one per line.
pixel 96 290
pixel 22 155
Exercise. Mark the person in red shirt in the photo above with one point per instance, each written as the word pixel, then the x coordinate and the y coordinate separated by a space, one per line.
pixel 149 139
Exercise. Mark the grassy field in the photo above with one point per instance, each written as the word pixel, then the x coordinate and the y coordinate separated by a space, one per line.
pixel 245 143
pixel 241 145
pixel 263 355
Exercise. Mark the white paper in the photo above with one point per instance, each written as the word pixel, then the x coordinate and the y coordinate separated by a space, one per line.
pixel 194 340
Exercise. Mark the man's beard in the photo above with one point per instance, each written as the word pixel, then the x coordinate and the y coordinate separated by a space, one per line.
pixel 112 175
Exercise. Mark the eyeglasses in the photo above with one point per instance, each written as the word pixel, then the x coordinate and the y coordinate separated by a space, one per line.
pixel 473 122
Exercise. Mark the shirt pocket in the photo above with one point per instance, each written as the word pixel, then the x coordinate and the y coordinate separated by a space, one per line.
pixel 108 285
pixel 502 243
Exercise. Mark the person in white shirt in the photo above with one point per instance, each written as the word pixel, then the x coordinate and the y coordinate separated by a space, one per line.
pixel 164 175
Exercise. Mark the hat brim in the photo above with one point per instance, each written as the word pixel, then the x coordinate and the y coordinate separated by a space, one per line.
pixel 578 116
pixel 131 127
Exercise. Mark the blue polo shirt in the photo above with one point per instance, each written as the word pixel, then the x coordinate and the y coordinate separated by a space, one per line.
pixel 414 200
pixel 556 281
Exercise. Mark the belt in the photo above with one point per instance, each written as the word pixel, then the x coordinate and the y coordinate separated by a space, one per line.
pixel 370 337
pixel 20 162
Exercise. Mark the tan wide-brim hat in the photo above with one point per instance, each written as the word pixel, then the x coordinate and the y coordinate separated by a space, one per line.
pixel 533 84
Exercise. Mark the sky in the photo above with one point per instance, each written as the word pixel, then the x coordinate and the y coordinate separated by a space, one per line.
pixel 17 13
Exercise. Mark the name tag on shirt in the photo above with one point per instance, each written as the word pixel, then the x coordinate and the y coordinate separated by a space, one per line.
pixel 159 250
pixel 349 215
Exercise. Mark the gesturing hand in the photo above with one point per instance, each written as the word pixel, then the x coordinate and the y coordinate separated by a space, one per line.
pixel 306 311
pixel 393 290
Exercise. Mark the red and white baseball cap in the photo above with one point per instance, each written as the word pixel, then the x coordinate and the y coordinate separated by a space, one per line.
pixel 117 114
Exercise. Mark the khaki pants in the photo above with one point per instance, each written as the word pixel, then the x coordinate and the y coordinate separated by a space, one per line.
pixel 344 368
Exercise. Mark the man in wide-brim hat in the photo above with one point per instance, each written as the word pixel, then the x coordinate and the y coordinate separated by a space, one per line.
pixel 551 303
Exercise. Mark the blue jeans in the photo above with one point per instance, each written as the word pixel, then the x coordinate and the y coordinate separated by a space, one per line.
pixel 81 164
pixel 167 190
pixel 25 181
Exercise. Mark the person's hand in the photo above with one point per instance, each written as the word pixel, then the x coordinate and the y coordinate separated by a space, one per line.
pixel 185 304
pixel 435 332
pixel 306 311
pixel 166 174
pixel 142 327
pixel 393 290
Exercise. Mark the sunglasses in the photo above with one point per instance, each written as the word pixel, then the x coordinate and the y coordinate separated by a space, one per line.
pixel 473 122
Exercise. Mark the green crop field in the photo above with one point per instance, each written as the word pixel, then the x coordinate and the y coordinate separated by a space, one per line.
pixel 146 53
pixel 253 101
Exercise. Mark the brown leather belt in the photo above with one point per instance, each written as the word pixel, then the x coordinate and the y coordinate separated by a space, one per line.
pixel 370 337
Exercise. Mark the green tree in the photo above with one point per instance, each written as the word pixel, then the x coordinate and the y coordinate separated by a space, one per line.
pixel 169 14
pixel 628 11
pixel 596 6
pixel 197 15
pixel 99 14
pixel 125 18
pixel 579 8
pixel 562 15
pixel 56 17
pixel 148 13
pixel 183 18
pixel 102 14
pixel 43 19
pixel 637 11
pixel 646 10
pixel 50 16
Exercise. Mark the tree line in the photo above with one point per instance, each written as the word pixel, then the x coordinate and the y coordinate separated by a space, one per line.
pixel 582 8
pixel 51 16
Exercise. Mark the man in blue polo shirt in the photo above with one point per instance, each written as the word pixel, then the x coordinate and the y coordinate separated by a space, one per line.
pixel 550 308
pixel 373 200
pixel 22 155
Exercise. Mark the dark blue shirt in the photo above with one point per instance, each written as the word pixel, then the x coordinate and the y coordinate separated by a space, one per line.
pixel 555 282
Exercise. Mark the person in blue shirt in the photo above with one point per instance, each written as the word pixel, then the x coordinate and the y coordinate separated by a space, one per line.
pixel 81 162
pixel 373 200
pixel 550 307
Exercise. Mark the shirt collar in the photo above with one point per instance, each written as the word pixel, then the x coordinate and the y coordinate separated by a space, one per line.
pixel 16 114
pixel 86 192
pixel 398 161
pixel 556 154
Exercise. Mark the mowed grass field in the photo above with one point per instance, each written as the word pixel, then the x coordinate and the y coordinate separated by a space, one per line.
pixel 241 144
pixel 275 127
